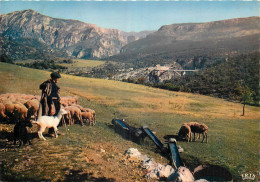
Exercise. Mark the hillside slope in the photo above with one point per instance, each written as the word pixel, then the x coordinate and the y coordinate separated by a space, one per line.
pixel 96 153
pixel 184 42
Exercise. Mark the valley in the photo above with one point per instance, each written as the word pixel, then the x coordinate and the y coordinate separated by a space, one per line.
pixel 181 73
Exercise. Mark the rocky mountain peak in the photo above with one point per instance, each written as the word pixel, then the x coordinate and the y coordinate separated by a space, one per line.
pixel 72 37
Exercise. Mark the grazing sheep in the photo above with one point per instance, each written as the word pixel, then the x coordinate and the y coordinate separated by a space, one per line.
pixel 82 109
pixel 200 129
pixel 4 100
pixel 64 102
pixel 75 114
pixel 21 133
pixel 44 122
pixel 79 106
pixel 67 118
pixel 20 112
pixel 93 112
pixel 9 111
pixel 73 100
pixel 185 131
pixel 2 111
pixel 15 111
pixel 69 100
pixel 89 117
pixel 33 107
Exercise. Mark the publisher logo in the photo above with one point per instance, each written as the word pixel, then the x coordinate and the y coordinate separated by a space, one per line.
pixel 248 176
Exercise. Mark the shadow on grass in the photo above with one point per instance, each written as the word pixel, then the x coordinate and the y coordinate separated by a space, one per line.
pixel 191 161
pixel 6 139
pixel 7 175
pixel 78 175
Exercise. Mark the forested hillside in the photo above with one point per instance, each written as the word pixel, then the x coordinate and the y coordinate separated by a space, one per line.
pixel 225 80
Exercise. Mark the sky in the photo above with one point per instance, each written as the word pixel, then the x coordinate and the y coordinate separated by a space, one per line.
pixel 137 15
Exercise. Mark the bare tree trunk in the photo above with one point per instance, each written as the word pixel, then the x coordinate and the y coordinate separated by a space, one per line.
pixel 244 109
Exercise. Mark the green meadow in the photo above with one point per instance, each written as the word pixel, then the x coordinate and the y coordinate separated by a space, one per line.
pixel 233 139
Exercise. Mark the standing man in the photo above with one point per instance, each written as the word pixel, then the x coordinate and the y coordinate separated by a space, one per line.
pixel 50 98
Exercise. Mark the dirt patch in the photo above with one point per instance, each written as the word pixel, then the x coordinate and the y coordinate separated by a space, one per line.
pixel 55 161
pixel 111 164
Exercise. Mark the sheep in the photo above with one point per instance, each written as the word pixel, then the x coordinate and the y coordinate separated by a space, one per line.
pixel 88 116
pixel 9 110
pixel 15 111
pixel 200 129
pixel 185 131
pixel 44 122
pixel 20 112
pixel 93 112
pixel 2 111
pixel 4 100
pixel 69 100
pixel 73 100
pixel 75 113
pixel 64 101
pixel 67 118
pixel 33 107
pixel 80 107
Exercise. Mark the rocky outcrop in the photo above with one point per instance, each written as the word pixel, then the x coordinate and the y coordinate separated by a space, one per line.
pixel 75 38
pixel 231 28
pixel 157 74
pixel 133 36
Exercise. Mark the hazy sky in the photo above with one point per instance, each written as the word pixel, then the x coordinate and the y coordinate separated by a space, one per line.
pixel 137 15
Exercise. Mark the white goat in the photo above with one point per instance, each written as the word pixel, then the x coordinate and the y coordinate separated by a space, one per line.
pixel 44 122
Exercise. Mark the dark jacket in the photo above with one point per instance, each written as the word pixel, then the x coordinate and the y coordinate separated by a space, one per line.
pixel 50 91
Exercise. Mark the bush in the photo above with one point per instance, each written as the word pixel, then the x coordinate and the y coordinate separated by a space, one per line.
pixel 4 58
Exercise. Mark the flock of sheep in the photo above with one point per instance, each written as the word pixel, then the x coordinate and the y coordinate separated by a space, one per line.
pixel 15 107
pixel 18 108
pixel 21 109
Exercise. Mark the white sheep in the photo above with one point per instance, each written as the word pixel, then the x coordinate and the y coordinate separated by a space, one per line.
pixel 44 122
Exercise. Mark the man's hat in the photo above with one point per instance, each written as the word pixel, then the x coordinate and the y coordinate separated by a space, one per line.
pixel 55 75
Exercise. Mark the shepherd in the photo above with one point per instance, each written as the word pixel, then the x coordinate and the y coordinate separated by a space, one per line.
pixel 50 98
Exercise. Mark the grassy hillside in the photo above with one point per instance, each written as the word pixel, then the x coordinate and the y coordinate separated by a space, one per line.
pixel 78 63
pixel 232 143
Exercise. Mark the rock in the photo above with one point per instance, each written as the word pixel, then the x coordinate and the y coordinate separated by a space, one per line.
pixel 201 180
pixel 182 174
pixel 133 152
pixel 155 171
pixel 150 164
pixel 180 149
pixel 160 172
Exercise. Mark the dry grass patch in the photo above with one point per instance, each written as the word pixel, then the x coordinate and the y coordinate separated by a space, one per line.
pixel 79 63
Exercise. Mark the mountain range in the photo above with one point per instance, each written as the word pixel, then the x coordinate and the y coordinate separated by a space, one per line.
pixel 28 34
pixel 61 37
pixel 187 42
